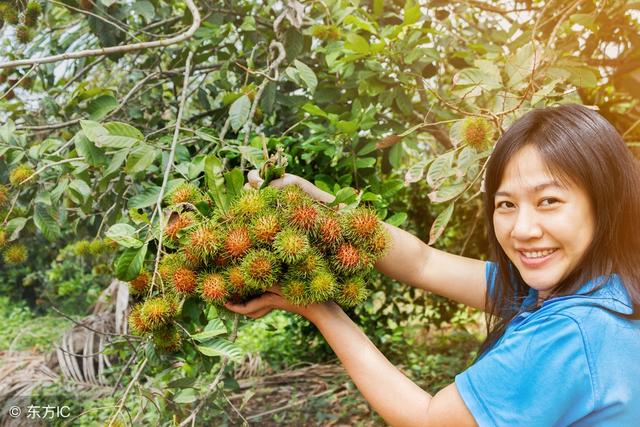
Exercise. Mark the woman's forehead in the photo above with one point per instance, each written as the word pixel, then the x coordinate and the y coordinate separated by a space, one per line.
pixel 527 171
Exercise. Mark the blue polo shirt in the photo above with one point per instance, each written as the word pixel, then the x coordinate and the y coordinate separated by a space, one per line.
pixel 569 363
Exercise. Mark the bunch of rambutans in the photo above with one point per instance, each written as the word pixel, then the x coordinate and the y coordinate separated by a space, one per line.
pixel 267 237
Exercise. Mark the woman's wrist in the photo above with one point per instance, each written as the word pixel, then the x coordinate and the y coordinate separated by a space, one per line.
pixel 317 313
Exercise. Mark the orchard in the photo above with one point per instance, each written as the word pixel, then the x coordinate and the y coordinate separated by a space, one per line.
pixel 127 219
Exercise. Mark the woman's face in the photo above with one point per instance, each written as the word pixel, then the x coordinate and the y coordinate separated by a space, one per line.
pixel 544 226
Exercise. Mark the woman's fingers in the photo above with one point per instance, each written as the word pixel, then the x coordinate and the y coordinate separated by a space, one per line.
pixel 254 178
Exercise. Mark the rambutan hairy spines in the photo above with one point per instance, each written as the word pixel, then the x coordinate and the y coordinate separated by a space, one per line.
pixel 20 174
pixel 168 339
pixel 213 288
pixel 303 216
pixel 4 195
pixel 3 237
pixel 15 253
pixel 322 286
pixel 169 264
pixel 295 290
pixel 351 291
pixel 291 245
pixel 309 264
pixel 185 193
pixel 140 285
pixel 236 281
pixel 265 228
pixel 250 203
pixel 347 258
pixel 329 230
pixel 179 223
pixel 205 240
pixel 184 280
pixel 379 243
pixel 136 324
pixel 237 241
pixel 292 195
pixel 260 269
pixel 360 224
pixel 157 312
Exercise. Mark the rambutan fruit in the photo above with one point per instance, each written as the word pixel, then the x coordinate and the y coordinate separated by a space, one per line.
pixel 378 244
pixel 3 237
pixel 29 21
pixel 250 203
pixel 136 324
pixel 260 269
pixel 167 339
pixel 347 258
pixel 477 132
pixel 213 288
pixel 10 15
pixel 97 247
pixel 184 281
pixel 179 223
pixel 205 240
pixel 20 173
pixel 81 247
pixel 351 291
pixel 33 8
pixel 291 195
pixel 23 34
pixel 169 264
pixel 309 264
pixel 4 195
pixel 235 279
pixel 360 224
pixel 192 259
pixel 329 230
pixel 157 312
pixel 15 253
pixel 237 241
pixel 326 32
pixel 140 285
pixel 303 216
pixel 185 193
pixel 291 245
pixel 322 286
pixel 265 227
pixel 294 289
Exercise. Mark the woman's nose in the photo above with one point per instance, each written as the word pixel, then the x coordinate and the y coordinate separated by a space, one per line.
pixel 527 225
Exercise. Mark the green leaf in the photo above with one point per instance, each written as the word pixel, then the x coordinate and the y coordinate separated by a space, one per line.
pixel 101 106
pixel 444 194
pixel 80 190
pixel 397 219
pixel 213 170
pixel 439 225
pixel 123 129
pixel 357 43
pixel 214 328
pixel 87 149
pixel 411 14
pixel 416 172
pixel 253 155
pixel 45 222
pixel 145 9
pixel 365 162
pixel 440 169
pixel 314 110
pixel 140 158
pixel 395 155
pixel 347 127
pixel 475 78
pixel 187 395
pixel 239 112
pixel 234 182
pixel 148 197
pixel 583 76
pixel 221 347
pixel 14 226
pixel 307 75
pixel 124 235
pixel 129 264
pixel 116 162
pixel 520 65
pixel 345 195
pixel 93 130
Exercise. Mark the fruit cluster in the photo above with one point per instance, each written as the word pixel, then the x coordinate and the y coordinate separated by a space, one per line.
pixel 267 237
pixel 24 17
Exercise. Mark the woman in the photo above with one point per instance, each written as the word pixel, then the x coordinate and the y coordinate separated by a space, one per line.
pixel 562 198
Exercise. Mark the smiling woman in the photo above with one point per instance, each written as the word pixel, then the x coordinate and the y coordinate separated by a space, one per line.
pixel 562 297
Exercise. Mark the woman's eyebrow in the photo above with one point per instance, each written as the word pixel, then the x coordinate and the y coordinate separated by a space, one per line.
pixel 534 189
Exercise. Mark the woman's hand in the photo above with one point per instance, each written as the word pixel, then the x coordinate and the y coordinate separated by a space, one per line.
pixel 255 182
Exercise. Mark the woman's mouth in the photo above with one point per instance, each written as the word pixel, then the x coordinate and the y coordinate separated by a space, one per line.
pixel 536 258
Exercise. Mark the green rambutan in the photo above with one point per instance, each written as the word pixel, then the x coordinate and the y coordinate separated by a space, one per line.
pixel 4 195
pixel 20 173
pixel 23 34
pixel 33 8
pixel 185 193
pixel 3 237
pixel 213 288
pixel 477 132
pixel 265 227
pixel 303 216
pixel 360 224
pixel 329 230
pixel 140 285
pixel 236 281
pixel 322 286
pixel 81 247
pixel 169 264
pixel 291 245
pixel 378 244
pixel 291 195
pixel 136 324
pixel 98 247
pixel 192 259
pixel 309 264
pixel 10 15
pixel 351 292
pixel 295 289
pixel 237 241
pixel 347 258
pixel 15 253
pixel 184 280
pixel 157 312
pixel 260 269
pixel 250 203
pixel 168 339
pixel 179 223
pixel 205 240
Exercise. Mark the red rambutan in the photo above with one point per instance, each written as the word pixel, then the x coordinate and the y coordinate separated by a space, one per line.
pixel 237 242
pixel 136 324
pixel 360 224
pixel 347 258
pixel 140 284
pixel 260 269
pixel 179 223
pixel 329 231
pixel 205 240
pixel 185 193
pixel 303 216
pixel 265 227
pixel 235 278
pixel 184 280
pixel 157 312
pixel 213 288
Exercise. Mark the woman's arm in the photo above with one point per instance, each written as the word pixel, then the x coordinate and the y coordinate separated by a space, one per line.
pixel 391 394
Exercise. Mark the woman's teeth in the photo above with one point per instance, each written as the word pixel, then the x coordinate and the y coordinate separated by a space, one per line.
pixel 538 254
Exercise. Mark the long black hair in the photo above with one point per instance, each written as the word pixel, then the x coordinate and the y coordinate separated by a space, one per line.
pixel 577 145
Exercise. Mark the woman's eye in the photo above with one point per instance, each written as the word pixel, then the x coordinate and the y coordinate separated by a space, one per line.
pixel 548 201
pixel 504 204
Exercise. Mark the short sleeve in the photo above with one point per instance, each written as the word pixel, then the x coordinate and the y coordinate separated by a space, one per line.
pixel 538 375
pixel 490 271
